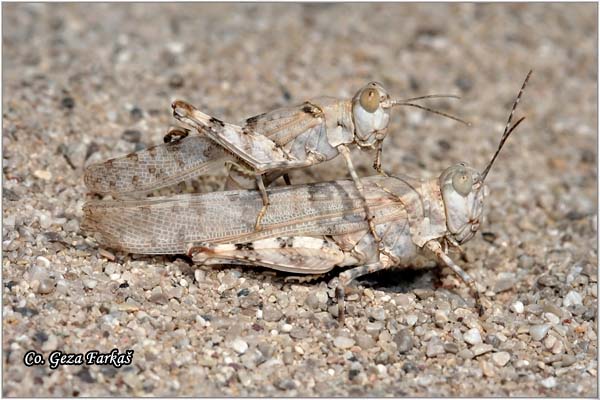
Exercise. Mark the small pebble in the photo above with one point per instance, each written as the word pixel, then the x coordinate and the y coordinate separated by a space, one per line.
pixel 132 135
pixel 472 336
pixel 411 319
pixel 549 341
pixel 481 348
pixel 404 341
pixel 572 298
pixel 466 354
pixel 90 283
pixel 239 345
pixel 451 347
pixel 46 286
pixel 538 332
pixel 365 341
pixel 271 313
pixel 549 383
pixel 501 358
pixel 434 347
pixel 343 342
pixel 517 307
pixel 377 314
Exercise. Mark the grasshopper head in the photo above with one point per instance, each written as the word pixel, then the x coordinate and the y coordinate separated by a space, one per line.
pixel 370 114
pixel 371 107
pixel 463 189
pixel 463 192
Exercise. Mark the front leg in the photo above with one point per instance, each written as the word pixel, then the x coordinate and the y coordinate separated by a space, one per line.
pixel 359 186
pixel 377 162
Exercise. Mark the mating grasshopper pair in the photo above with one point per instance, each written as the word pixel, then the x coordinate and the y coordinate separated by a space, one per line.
pixel 381 222
pixel 266 147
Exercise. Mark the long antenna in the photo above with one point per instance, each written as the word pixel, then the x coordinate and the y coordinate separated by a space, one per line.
pixel 431 96
pixel 443 114
pixel 507 129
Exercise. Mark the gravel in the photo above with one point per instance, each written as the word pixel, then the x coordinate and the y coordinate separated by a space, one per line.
pixel 84 83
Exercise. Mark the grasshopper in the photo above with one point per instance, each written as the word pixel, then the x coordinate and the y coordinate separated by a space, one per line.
pixel 268 145
pixel 310 229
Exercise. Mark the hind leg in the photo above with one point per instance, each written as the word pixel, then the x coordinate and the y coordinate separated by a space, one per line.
pixel 348 276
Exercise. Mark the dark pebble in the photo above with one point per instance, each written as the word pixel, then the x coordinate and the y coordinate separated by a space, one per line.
pixel 286 384
pixel 40 337
pixel 243 292
pixel 92 148
pixel 444 144
pixel 489 237
pixel 132 135
pixel 124 285
pixel 548 280
pixel 10 284
pixel 136 113
pixel 10 195
pixel 84 375
pixel 26 311
pixel 404 341
pixel 464 83
pixel 176 81
pixel 409 367
pixel 68 103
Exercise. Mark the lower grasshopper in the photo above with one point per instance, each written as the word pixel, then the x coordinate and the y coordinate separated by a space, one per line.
pixel 309 229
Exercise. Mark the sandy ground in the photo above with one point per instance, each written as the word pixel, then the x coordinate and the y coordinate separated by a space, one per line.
pixel 83 83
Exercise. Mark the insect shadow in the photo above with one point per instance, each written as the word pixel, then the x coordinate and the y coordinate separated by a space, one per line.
pixel 390 280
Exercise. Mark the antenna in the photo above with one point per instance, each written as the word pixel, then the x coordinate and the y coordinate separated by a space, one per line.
pixel 507 129
pixel 443 114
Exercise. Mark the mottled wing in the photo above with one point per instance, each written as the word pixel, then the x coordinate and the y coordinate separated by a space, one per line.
pixel 283 125
pixel 167 225
pixel 156 167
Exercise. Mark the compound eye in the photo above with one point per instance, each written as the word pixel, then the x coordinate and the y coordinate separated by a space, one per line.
pixel 462 182
pixel 369 99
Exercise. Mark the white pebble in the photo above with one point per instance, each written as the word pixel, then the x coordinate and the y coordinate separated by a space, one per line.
pixel 549 383
pixel 549 341
pixel 501 358
pixel 472 336
pixel 183 283
pixel 381 369
pixel 538 332
pixel 42 262
pixel 287 328
pixel 239 345
pixel 517 307
pixel 411 319
pixel 90 283
pixel 343 342
pixel 572 298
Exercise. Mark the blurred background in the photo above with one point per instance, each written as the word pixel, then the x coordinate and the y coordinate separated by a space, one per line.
pixel 86 82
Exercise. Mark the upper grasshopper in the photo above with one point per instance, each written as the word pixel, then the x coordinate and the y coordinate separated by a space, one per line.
pixel 271 144
pixel 310 229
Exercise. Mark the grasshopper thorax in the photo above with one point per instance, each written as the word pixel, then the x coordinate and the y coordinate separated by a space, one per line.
pixel 463 192
pixel 370 114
